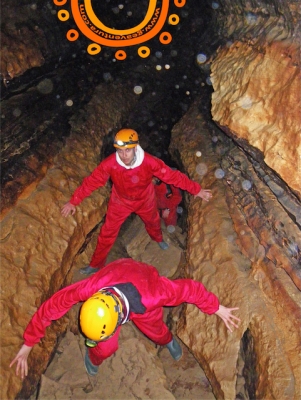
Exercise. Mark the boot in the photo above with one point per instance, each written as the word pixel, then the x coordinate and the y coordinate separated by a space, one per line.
pixel 163 245
pixel 88 270
pixel 90 368
pixel 175 349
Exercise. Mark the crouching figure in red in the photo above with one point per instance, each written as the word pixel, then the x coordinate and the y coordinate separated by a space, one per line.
pixel 168 199
pixel 124 290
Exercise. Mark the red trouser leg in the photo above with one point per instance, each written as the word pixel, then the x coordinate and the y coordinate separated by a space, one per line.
pixel 153 326
pixel 104 349
pixel 151 218
pixel 172 217
pixel 117 213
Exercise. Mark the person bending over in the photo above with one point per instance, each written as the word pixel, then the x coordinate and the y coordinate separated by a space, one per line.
pixel 125 290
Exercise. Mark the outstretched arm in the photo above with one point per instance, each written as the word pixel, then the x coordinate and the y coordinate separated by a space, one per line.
pixel 67 209
pixel 21 360
pixel 204 194
pixel 226 315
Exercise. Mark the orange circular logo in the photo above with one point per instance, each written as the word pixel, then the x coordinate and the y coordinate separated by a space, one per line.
pixel 91 26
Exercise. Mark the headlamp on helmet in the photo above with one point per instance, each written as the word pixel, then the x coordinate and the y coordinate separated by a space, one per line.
pixel 126 139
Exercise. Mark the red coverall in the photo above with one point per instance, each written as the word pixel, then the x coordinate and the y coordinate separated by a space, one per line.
pixel 171 202
pixel 156 292
pixel 132 192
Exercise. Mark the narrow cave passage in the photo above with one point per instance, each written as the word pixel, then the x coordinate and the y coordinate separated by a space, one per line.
pixel 221 103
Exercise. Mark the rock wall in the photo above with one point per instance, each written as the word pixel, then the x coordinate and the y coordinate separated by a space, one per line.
pixel 39 246
pixel 257 99
pixel 243 246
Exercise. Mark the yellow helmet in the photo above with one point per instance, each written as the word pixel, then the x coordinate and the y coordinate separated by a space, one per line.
pixel 126 139
pixel 100 316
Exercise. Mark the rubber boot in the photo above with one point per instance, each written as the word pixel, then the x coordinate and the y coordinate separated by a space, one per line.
pixel 88 270
pixel 175 349
pixel 163 245
pixel 90 368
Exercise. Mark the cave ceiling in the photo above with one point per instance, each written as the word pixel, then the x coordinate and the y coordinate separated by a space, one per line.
pixel 40 66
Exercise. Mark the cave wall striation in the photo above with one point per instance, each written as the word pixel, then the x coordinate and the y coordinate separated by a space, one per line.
pixel 257 100
pixel 237 246
pixel 39 246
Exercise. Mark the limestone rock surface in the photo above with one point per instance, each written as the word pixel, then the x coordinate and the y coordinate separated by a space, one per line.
pixel 39 246
pixel 257 99
pixel 232 243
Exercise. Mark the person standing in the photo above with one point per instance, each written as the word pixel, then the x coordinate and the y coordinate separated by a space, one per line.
pixel 131 171
pixel 124 290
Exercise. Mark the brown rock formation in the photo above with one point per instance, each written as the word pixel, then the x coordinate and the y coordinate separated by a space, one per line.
pixel 237 253
pixel 39 246
pixel 20 51
pixel 257 98
pixel 232 248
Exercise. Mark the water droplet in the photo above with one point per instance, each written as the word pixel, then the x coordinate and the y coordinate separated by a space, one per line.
pixel 198 153
pixel 171 229
pixel 137 89
pixel 135 179
pixel 158 67
pixel 201 58
pixel 201 169
pixel 17 112
pixel 246 184
pixel 214 5
pixel 179 210
pixel 45 86
pixel 251 18
pixel 246 102
pixel 167 66
pixel 219 173
pixel 208 80
pixel 69 103
pixel 158 54
pixel 107 77
pixel 214 139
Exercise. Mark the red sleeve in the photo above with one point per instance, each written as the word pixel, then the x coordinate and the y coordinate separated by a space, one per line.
pixel 173 177
pixel 97 179
pixel 57 306
pixel 189 291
